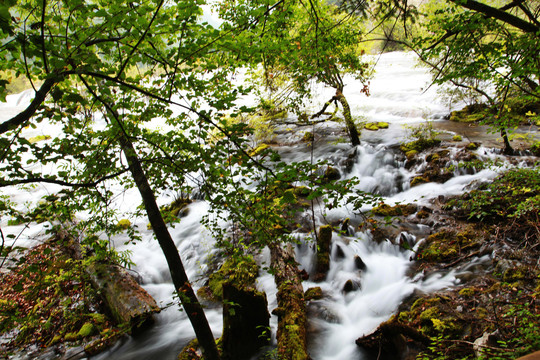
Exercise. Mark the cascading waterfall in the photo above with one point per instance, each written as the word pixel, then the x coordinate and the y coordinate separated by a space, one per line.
pixel 397 97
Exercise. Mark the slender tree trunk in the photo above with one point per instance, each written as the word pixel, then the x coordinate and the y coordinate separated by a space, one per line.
pixel 189 300
pixel 351 126
pixel 508 150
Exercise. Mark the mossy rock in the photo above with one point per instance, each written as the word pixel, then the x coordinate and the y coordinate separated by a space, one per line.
pixel 418 180
pixel 374 126
pixel 88 329
pixel 422 214
pixel 302 191
pixel 411 154
pixel 433 157
pixel 313 293
pixel 419 145
pixel 445 245
pixel 69 337
pixel 457 138
pixel 515 274
pixel 331 174
pixel 124 224
pixel 397 210
pixel 472 146
pixel 174 211
pixel 467 292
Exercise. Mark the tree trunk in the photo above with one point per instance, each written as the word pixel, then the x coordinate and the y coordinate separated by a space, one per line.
pixel 245 321
pixel 508 150
pixel 324 242
pixel 351 126
pixel 190 302
pixel 291 310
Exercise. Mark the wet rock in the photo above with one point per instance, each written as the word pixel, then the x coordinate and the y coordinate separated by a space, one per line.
pixel 350 160
pixel 339 252
pixel 313 293
pixel 319 310
pixel 359 263
pixel 351 285
pixel 331 174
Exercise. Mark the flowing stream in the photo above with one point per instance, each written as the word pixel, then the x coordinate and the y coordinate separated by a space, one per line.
pixel 337 320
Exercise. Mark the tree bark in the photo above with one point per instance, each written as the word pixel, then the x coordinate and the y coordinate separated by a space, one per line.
pixel 324 241
pixel 499 15
pixel 181 283
pixel 351 126
pixel 508 150
pixel 291 310
pixel 27 113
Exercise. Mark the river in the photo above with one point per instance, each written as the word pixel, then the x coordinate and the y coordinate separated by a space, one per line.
pixel 399 97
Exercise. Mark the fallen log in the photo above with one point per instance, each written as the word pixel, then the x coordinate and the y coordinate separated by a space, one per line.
pixel 127 302
pixel 291 310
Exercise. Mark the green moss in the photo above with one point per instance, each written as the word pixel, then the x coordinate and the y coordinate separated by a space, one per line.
pixel 404 316
pixel 472 146
pixel 419 145
pixel 313 293
pixel 241 270
pixel 515 274
pixel 411 154
pixel 428 314
pixel 397 210
pixel 418 180
pixel 371 126
pixel 302 191
pixel 422 214
pixel 98 318
pixel 72 336
pixel 481 313
pixel 433 157
pixel 467 292
pixel 374 126
pixel 457 138
pixel 88 329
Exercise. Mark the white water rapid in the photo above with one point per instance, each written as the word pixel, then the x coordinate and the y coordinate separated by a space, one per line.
pixel 337 320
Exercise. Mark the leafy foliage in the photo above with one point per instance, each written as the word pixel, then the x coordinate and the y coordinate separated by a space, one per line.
pixel 47 298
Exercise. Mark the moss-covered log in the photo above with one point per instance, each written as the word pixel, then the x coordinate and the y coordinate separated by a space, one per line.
pixel 126 300
pixel 291 311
